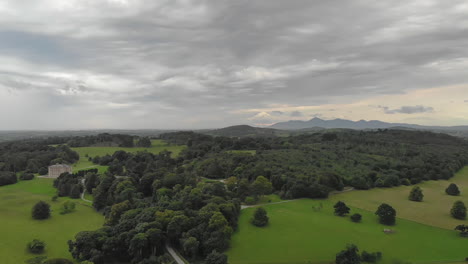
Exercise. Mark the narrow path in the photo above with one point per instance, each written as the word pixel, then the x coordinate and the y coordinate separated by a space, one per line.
pixel 174 255
pixel 83 193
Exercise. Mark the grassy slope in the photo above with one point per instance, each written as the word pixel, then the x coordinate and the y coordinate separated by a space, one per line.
pixel 17 225
pixel 83 163
pixel 434 210
pixel 298 234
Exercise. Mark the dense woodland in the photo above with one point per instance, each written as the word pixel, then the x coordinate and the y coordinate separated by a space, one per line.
pixel 157 199
pixel 150 200
pixel 33 156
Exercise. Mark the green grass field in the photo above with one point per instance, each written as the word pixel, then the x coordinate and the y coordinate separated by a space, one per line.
pixel 298 234
pixel 17 227
pixel 433 210
pixel 85 152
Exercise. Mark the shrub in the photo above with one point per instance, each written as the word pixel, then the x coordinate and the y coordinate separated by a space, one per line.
pixel 43 171
pixel 356 218
pixel 463 229
pixel 36 246
pixel 58 261
pixel 26 176
pixel 458 210
pixel 359 183
pixel 36 260
pixel 67 207
pixel 260 217
pixel 452 189
pixel 250 200
pixel 41 210
pixel 371 257
pixel 405 182
pixel 7 177
pixel 54 198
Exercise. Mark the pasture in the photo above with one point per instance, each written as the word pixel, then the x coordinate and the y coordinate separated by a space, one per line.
pixel 299 234
pixel 17 227
pixel 434 210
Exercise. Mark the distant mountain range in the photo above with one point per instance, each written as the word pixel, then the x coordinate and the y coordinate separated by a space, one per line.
pixel 361 124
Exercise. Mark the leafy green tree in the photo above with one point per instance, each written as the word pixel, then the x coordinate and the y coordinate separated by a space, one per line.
pixel 91 182
pixel 116 211
pixel 190 247
pixel 75 191
pixel 216 258
pixel 350 255
pixel 416 194
pixel 43 171
pixel 36 246
pixel 356 218
pixel 260 217
pixel 458 210
pixel 138 244
pixel 341 209
pixel 144 142
pixel 453 190
pixel 41 210
pixel 156 240
pixel 386 214
pixel 261 186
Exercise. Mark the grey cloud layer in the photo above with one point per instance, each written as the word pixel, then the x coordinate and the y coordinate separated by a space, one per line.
pixel 183 64
pixel 408 109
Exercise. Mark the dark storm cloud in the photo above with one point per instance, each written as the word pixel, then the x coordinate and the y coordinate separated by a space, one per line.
pixel 408 109
pixel 191 64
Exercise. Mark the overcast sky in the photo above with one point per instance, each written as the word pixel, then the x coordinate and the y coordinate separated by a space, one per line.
pixel 88 64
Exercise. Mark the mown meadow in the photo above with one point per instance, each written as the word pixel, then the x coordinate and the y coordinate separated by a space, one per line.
pixel 299 233
pixel 17 227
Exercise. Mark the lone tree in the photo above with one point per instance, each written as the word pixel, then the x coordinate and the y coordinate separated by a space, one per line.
pixel 386 214
pixel 416 194
pixel 341 209
pixel 356 218
pixel 348 256
pixel 458 210
pixel 463 230
pixel 41 210
pixel 260 217
pixel 452 189
pixel 36 246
